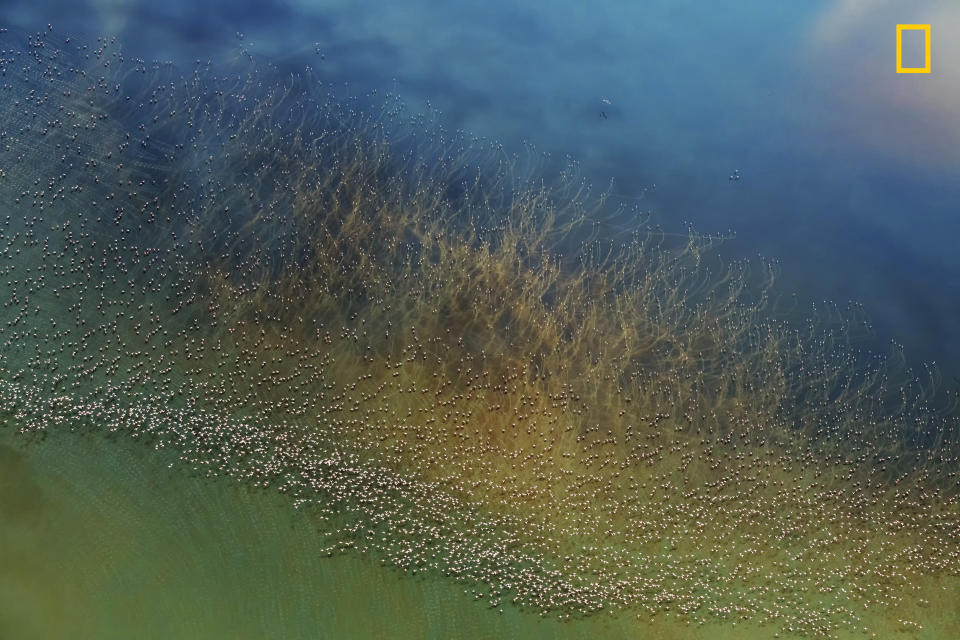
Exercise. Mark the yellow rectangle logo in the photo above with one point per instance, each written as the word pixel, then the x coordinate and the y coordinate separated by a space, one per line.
pixel 913 27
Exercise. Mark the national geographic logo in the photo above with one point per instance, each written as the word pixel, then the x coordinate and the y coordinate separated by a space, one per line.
pixel 926 48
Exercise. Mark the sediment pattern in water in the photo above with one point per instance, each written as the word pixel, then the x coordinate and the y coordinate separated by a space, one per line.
pixel 448 358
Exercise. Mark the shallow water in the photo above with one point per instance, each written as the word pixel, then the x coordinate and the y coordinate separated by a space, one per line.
pixel 100 538
pixel 100 541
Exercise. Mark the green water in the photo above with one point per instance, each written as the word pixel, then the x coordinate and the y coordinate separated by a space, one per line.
pixel 102 540
pixel 99 540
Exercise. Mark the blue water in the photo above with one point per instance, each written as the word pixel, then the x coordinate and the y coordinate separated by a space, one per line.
pixel 782 125
pixel 850 173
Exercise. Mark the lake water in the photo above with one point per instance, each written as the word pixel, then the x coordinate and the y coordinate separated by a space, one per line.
pixel 780 126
